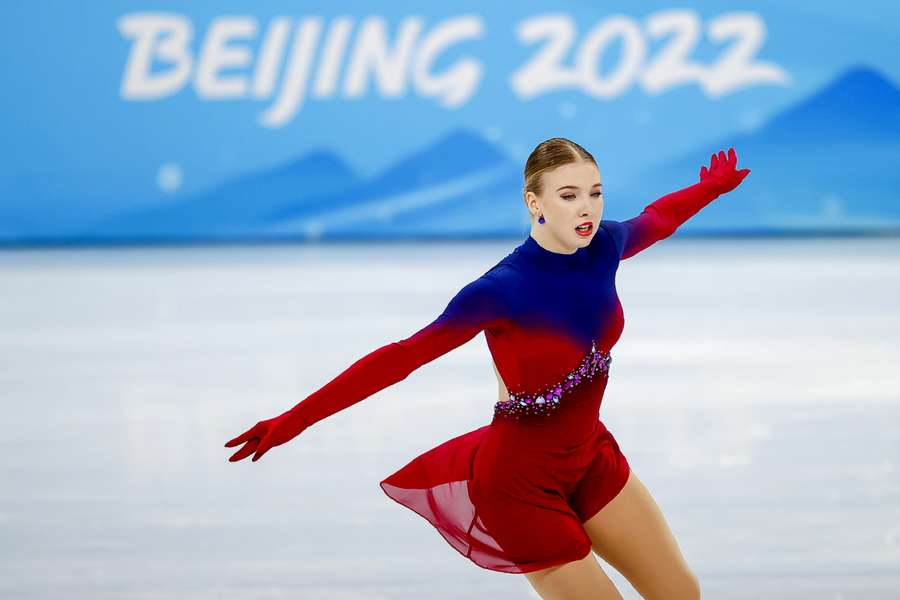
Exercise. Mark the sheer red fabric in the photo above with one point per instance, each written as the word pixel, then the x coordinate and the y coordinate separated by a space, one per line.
pixel 436 486
pixel 511 529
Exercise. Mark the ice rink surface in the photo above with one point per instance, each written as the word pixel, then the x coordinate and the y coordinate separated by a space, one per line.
pixel 755 391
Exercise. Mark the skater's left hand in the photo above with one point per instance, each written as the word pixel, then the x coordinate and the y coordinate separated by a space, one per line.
pixel 722 173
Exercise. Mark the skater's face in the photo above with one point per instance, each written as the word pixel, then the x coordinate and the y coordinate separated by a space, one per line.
pixel 572 194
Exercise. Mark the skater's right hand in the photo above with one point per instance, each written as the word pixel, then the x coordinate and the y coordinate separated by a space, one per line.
pixel 267 434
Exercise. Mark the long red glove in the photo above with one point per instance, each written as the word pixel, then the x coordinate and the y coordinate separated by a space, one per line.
pixel 474 308
pixel 661 218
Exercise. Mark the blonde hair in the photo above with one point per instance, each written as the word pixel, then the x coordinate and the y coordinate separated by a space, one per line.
pixel 548 155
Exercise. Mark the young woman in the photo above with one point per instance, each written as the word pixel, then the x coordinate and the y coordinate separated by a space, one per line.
pixel 545 483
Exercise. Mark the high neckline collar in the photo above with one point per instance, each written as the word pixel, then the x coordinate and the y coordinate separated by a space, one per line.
pixel 532 251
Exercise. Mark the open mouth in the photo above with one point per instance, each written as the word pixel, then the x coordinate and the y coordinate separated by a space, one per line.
pixel 585 229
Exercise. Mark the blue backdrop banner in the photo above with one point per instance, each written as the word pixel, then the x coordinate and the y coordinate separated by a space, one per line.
pixel 160 121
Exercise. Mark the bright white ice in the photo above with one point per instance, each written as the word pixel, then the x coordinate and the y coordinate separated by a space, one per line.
pixel 755 391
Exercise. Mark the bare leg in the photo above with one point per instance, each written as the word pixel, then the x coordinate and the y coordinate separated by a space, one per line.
pixel 632 535
pixel 577 580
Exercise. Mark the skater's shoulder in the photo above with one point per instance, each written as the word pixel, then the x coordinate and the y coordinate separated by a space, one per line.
pixel 505 273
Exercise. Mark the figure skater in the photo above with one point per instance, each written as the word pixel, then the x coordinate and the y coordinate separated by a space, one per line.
pixel 544 483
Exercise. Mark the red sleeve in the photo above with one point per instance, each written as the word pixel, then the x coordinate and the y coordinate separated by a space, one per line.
pixel 659 219
pixel 474 308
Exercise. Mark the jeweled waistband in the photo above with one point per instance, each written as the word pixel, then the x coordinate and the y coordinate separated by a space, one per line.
pixel 520 405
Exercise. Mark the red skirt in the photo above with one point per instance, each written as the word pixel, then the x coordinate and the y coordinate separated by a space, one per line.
pixel 510 498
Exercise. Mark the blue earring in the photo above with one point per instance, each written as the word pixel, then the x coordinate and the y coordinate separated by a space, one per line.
pixel 541 220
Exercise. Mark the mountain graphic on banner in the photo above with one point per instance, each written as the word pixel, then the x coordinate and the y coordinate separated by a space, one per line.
pixel 846 136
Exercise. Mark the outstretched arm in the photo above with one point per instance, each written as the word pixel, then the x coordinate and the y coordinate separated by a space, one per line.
pixel 474 308
pixel 661 218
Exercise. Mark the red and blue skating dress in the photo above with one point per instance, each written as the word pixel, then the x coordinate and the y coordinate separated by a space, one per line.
pixel 512 495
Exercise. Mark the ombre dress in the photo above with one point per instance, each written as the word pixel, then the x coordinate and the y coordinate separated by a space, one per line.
pixel 512 495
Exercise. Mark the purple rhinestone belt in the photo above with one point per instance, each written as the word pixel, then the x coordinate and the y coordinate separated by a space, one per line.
pixel 519 405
